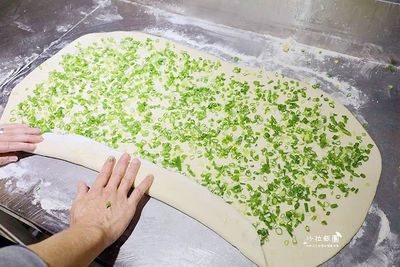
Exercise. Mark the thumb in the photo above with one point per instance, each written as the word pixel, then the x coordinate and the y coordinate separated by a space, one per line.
pixel 82 189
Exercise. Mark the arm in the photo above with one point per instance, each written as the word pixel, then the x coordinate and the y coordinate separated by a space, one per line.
pixel 99 215
pixel 72 247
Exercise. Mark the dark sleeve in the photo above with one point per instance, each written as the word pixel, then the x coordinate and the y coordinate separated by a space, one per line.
pixel 20 256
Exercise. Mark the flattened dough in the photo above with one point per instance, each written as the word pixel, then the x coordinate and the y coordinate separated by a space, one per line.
pixel 197 202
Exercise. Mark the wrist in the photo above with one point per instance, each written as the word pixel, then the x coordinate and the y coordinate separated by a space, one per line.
pixel 94 236
pixel 76 246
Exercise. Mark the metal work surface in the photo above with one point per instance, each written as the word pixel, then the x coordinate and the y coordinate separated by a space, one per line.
pixel 41 189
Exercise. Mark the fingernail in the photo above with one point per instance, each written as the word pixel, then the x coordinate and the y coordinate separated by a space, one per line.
pixel 31 147
pixel 136 161
pixel 13 158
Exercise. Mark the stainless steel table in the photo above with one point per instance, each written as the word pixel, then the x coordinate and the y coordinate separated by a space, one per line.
pixel 40 190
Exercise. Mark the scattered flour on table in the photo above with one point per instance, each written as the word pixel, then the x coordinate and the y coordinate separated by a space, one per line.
pixel 384 225
pixel 23 180
pixel 11 68
pixel 23 26
pixel 63 28
pixel 13 170
pixel 5 72
pixel 50 198
pixel 18 172
pixel 387 248
pixel 359 234
pixel 103 11
pixel 102 3
pixel 109 17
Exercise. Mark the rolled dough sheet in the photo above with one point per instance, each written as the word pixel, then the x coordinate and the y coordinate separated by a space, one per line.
pixel 197 202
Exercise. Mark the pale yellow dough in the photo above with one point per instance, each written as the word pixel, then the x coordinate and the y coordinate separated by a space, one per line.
pixel 196 201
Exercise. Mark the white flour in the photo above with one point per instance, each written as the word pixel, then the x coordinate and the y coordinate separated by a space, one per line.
pixel 109 17
pixel 14 67
pixel 50 198
pixel 384 225
pixel 108 13
pixel 13 170
pixel 386 249
pixel 23 26
pixel 63 28
pixel 44 192
pixel 18 172
pixel 359 234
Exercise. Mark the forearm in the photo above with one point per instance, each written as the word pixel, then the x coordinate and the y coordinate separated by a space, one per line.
pixel 94 224
pixel 76 246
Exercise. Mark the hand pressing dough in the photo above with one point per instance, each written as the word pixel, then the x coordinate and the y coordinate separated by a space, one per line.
pixel 197 202
pixel 173 189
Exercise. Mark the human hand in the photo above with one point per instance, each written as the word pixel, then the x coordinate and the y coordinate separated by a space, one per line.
pixel 106 205
pixel 17 137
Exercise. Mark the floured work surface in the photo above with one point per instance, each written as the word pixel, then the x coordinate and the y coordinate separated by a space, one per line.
pixel 286 156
